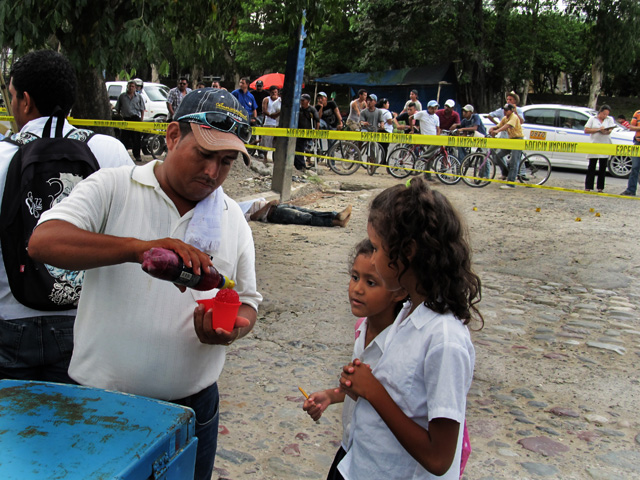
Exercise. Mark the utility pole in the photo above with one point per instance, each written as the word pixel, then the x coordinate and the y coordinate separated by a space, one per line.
pixel 285 146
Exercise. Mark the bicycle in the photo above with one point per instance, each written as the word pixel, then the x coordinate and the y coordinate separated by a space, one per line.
pixel 341 149
pixel 373 155
pixel 482 166
pixel 403 159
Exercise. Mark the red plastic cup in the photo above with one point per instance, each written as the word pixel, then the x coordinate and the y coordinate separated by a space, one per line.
pixel 207 302
pixel 224 314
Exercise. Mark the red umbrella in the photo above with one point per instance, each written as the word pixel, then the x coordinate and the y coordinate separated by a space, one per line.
pixel 269 79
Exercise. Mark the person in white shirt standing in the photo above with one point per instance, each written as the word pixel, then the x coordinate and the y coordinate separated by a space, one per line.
pixel 34 344
pixel 271 107
pixel 600 128
pixel 429 125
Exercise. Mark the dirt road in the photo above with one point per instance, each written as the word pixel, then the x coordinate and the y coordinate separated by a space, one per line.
pixel 556 384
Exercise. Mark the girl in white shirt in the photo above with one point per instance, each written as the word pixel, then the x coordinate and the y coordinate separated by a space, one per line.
pixel 410 410
pixel 370 299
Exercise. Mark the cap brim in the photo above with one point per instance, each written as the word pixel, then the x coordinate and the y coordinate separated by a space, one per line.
pixel 215 140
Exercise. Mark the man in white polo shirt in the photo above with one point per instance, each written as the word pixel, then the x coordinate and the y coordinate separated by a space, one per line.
pixel 135 333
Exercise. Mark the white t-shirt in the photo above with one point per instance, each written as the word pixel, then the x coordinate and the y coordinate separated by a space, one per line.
pixel 134 333
pixel 594 122
pixel 370 356
pixel 386 115
pixel 428 123
pixel 273 106
pixel 427 369
pixel 108 151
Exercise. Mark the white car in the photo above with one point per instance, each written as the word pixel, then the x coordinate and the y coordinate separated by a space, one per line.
pixel 155 99
pixel 564 123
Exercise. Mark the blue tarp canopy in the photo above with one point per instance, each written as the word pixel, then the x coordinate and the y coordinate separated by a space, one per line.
pixel 437 82
pixel 406 76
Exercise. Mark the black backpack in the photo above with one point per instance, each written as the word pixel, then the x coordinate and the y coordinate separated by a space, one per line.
pixel 42 173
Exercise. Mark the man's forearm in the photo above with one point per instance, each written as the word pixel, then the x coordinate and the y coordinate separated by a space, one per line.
pixel 64 245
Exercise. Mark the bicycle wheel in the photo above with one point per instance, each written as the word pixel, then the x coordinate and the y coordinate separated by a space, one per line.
pixel 474 165
pixel 400 159
pixel 349 152
pixel 374 157
pixel 420 166
pixel 157 146
pixel 537 168
pixel 447 169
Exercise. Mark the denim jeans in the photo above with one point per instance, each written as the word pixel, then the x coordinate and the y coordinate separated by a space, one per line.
pixel 632 184
pixel 206 406
pixel 37 348
pixel 514 165
pixel 511 172
pixel 292 215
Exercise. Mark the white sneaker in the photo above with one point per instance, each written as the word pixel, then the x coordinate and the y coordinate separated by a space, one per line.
pixel 507 187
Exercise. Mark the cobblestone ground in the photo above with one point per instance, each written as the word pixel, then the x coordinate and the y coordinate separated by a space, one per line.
pixel 556 385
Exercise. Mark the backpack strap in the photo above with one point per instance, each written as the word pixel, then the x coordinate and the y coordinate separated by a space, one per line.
pixel 21 138
pixel 81 134
pixel 57 113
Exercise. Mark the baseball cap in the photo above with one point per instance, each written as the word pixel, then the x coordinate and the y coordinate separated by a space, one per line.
pixel 450 103
pixel 218 121
pixel 322 94
pixel 259 83
pixel 432 103
pixel 508 106
pixel 372 96
pixel 305 96
pixel 468 108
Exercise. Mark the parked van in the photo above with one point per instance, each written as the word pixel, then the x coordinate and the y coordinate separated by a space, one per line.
pixel 155 99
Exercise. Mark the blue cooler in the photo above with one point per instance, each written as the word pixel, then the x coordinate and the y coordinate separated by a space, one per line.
pixel 56 431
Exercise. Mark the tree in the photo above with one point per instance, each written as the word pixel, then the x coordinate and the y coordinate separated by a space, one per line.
pixel 612 37
pixel 108 35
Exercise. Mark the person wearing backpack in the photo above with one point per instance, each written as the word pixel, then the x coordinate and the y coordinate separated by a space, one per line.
pixel 36 343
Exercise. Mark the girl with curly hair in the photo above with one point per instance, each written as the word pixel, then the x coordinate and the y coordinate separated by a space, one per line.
pixel 409 417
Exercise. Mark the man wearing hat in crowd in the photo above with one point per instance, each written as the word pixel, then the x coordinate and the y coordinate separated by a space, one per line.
pixel 371 117
pixel 512 98
pixel 259 94
pixel 330 117
pixel 470 125
pixel 447 115
pixel 511 124
pixel 308 119
pixel 135 333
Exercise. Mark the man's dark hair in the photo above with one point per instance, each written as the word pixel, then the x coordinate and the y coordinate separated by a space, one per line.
pixel 183 78
pixel 412 104
pixel 48 78
pixel 361 91
pixel 246 80
pixel 604 107
pixel 273 87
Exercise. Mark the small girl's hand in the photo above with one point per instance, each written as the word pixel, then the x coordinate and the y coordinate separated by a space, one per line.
pixel 356 379
pixel 316 404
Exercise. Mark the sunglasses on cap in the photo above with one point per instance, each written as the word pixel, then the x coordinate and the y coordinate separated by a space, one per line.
pixel 221 122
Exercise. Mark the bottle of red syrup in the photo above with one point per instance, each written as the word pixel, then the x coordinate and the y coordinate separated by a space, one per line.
pixel 165 264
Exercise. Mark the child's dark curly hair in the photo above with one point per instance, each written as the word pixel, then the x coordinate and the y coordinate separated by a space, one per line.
pixel 416 218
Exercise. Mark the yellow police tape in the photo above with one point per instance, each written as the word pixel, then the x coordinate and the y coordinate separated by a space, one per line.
pixel 456 141
pixel 443 140
pixel 448 141
pixel 491 180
